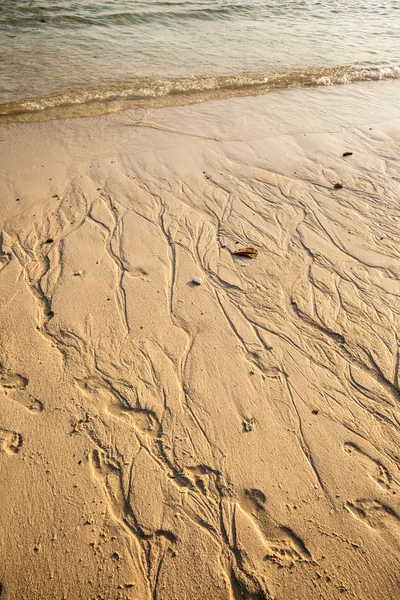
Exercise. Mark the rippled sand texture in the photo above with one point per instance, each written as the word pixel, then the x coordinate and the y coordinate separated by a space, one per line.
pixel 234 439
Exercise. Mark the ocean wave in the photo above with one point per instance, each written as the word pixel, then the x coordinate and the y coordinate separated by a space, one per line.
pixel 160 92
pixel 159 13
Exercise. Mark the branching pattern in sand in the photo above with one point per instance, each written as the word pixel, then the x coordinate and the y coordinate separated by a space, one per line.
pixel 226 419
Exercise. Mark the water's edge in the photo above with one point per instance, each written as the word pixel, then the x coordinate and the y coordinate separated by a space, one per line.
pixel 161 92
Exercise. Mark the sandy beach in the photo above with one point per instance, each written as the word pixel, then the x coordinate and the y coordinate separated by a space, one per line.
pixel 235 438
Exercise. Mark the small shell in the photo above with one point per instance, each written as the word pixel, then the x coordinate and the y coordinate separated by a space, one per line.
pixel 197 280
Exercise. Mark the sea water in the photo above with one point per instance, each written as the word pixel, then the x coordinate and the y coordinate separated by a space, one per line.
pixel 66 57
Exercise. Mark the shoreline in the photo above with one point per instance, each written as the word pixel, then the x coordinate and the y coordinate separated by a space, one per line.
pixel 158 92
pixel 233 439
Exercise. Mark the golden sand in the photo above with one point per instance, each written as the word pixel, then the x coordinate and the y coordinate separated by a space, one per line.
pixel 234 438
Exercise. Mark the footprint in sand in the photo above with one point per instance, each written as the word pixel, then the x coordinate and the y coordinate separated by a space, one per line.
pixel 284 547
pixel 4 260
pixel 378 516
pixel 142 419
pixel 10 441
pixel 33 404
pixel 374 468
pixel 10 382
pixel 5 257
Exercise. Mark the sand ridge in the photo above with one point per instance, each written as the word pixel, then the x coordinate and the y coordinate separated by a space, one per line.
pixel 234 439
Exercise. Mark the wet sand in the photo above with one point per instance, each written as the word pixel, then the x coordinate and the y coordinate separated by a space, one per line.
pixel 235 439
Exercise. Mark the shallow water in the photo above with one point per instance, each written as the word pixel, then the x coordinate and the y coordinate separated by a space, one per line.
pixel 122 53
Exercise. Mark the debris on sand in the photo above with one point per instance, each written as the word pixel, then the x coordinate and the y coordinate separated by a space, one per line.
pixel 249 252
pixel 347 154
pixel 197 280
pixel 247 425
pixel 338 186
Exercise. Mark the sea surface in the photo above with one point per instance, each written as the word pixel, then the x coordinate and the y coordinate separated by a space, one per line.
pixel 69 58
